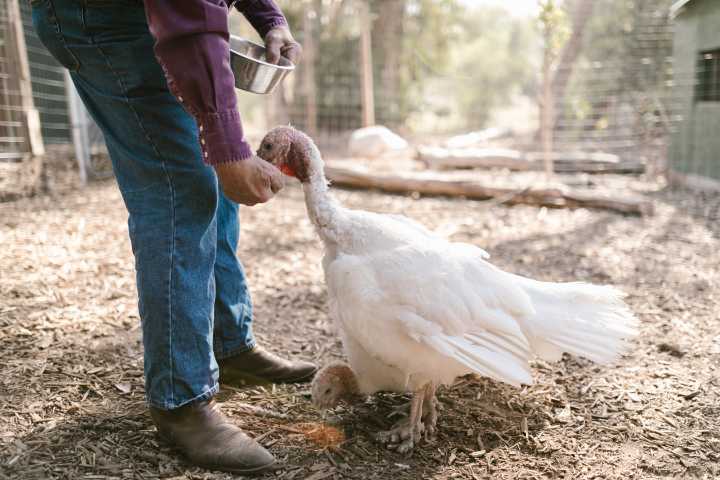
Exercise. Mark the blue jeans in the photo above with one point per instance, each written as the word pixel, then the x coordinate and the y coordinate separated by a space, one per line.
pixel 193 299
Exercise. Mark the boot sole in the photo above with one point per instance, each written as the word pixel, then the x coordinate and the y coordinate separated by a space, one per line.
pixel 243 471
pixel 250 379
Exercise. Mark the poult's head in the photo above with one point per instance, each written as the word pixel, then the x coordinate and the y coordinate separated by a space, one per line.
pixel 292 151
pixel 334 383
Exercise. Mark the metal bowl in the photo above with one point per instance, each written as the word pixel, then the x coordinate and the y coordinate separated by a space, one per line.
pixel 252 72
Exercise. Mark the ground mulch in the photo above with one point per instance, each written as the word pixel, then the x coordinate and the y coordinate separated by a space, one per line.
pixel 71 388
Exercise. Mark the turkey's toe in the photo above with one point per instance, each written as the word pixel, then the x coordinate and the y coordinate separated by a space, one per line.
pixel 400 431
pixel 430 424
pixel 430 433
pixel 406 446
pixel 401 435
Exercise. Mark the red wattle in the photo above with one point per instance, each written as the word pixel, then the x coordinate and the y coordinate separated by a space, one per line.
pixel 285 168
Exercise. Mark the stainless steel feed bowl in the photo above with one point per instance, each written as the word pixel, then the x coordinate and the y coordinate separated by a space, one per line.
pixel 252 72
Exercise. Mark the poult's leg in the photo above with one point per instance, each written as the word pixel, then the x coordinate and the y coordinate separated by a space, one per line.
pixel 406 433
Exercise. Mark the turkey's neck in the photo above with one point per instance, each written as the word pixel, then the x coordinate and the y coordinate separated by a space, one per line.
pixel 323 210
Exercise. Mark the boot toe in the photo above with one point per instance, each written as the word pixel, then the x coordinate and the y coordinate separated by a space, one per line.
pixel 209 440
pixel 259 365
pixel 304 371
pixel 243 455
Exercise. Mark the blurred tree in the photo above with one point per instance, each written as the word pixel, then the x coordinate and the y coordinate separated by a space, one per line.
pixel 580 14
pixel 555 31
pixel 492 62
pixel 389 56
pixel 445 61
pixel 623 59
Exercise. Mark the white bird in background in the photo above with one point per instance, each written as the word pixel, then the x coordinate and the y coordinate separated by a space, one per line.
pixel 416 311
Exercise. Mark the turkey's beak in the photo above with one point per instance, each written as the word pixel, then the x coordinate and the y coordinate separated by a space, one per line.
pixel 259 153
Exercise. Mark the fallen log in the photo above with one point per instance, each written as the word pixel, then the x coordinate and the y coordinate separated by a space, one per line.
pixel 446 159
pixel 546 197
pixel 564 162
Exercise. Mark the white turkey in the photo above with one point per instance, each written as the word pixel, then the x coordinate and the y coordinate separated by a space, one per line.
pixel 415 311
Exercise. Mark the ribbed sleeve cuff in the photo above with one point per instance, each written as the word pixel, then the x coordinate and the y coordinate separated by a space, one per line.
pixel 278 22
pixel 263 15
pixel 222 139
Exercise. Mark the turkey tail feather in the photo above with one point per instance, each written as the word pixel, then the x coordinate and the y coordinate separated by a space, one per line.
pixel 579 318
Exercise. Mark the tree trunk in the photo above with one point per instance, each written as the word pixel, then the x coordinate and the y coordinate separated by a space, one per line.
pixel 366 67
pixel 547 105
pixel 308 66
pixel 581 13
pixel 388 52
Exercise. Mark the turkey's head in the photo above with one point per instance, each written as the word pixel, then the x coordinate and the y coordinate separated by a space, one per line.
pixel 292 151
pixel 334 383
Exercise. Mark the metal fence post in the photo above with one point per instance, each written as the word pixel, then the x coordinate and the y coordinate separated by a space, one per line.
pixel 78 126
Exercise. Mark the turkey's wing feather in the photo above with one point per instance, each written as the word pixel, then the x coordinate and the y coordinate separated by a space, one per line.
pixel 440 295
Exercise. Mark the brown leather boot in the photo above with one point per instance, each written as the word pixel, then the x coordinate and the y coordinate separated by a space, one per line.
pixel 208 439
pixel 259 365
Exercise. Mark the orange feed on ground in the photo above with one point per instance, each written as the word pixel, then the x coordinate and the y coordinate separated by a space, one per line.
pixel 321 434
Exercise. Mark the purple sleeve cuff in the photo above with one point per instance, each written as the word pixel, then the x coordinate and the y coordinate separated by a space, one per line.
pixel 192 47
pixel 221 138
pixel 263 15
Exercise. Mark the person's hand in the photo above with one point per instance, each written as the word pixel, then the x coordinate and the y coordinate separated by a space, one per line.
pixel 250 181
pixel 280 42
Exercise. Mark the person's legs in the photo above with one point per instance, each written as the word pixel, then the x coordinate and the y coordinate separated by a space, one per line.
pixel 171 196
pixel 233 306
pixel 172 199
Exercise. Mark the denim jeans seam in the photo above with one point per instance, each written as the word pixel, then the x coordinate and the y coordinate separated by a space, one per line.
pixel 225 353
pixel 220 345
pixel 207 394
pixel 123 88
pixel 61 38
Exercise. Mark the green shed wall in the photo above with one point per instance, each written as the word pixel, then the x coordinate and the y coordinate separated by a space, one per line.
pixel 695 146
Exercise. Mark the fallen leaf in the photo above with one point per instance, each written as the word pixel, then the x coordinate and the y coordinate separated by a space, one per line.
pixel 123 387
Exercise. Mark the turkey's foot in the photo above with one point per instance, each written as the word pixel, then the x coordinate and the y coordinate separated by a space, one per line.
pixel 406 433
pixel 402 437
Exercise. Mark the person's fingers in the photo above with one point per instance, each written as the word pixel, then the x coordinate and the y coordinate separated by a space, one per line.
pixel 277 182
pixel 264 194
pixel 273 44
pixel 264 184
pixel 251 181
pixel 292 51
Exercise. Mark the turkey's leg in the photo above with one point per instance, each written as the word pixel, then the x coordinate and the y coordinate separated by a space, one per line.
pixel 407 432
pixel 429 415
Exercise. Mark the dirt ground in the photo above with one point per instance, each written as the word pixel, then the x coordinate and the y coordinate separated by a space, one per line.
pixel 71 389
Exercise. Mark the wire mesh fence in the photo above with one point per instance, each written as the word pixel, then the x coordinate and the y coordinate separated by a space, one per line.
pixel 48 85
pixel 20 137
pixel 12 135
pixel 63 120
pixel 613 94
pixel 437 68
